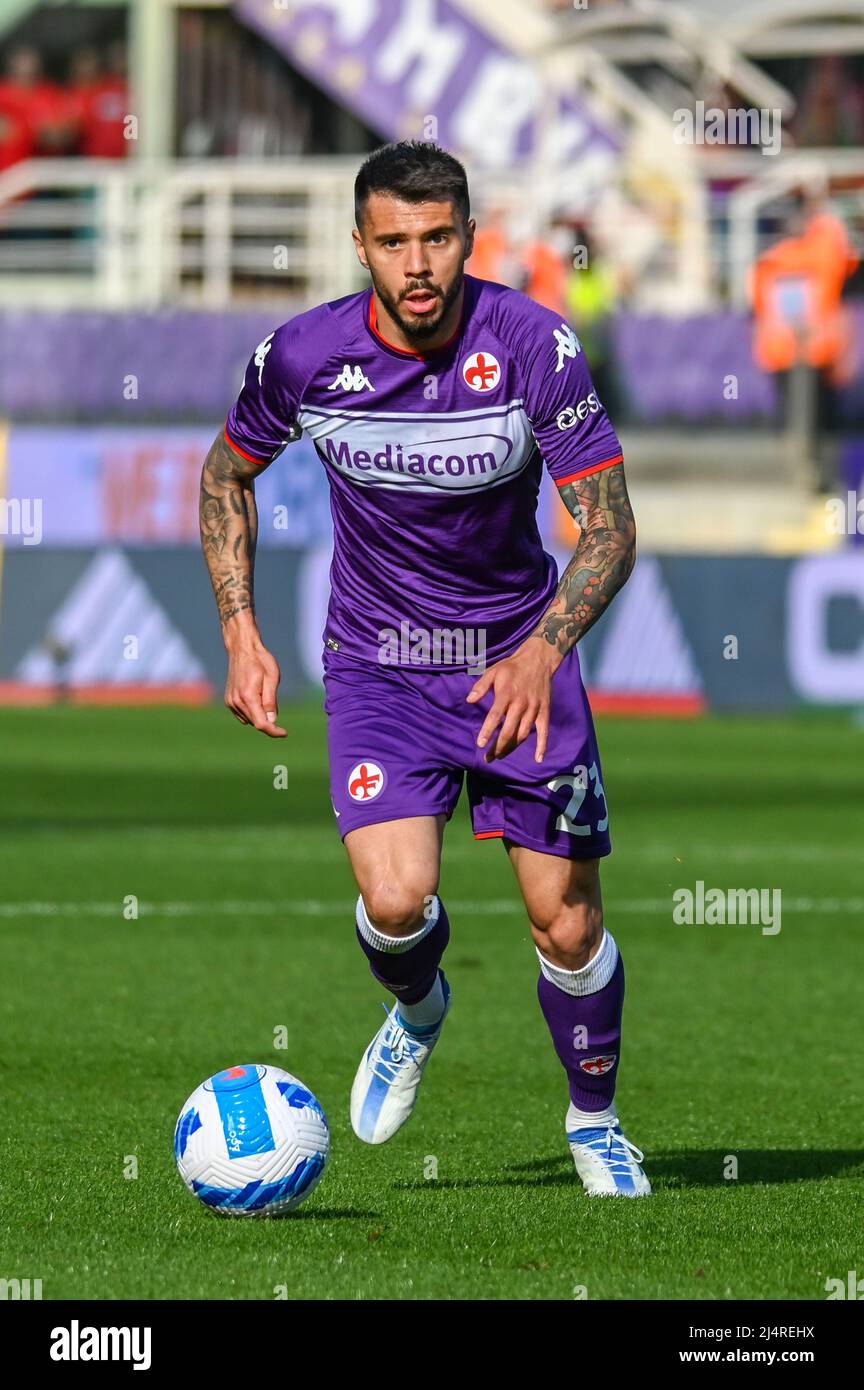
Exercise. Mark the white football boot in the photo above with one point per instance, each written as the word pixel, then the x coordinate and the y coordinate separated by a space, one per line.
pixel 385 1087
pixel 607 1163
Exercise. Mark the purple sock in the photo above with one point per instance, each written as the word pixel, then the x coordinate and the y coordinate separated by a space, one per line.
pixel 586 1025
pixel 406 966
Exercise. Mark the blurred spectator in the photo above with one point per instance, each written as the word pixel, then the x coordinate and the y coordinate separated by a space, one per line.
pixel 545 270
pixel 99 103
pixel 489 260
pixel 591 295
pixel 638 222
pixel 803 332
pixel 537 266
pixel 86 116
pixel 831 110
pixel 498 250
pixel 37 120
pixel 796 288
pixel 16 137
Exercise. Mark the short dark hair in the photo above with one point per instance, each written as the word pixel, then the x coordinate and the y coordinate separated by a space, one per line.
pixel 414 170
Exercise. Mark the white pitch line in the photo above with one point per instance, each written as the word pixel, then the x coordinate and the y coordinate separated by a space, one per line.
pixel 316 907
pixel 149 844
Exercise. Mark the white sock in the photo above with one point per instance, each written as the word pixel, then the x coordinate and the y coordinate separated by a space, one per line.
pixel 593 976
pixel 381 941
pixel 589 1119
pixel 428 1010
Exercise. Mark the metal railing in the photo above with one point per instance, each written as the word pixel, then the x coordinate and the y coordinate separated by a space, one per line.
pixel 113 234
pixel 109 234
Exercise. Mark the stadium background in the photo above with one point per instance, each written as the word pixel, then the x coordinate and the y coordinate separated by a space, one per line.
pixel 175 180
pixel 133 289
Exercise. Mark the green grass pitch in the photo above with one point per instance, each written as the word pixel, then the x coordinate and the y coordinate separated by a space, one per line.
pixel 737 1045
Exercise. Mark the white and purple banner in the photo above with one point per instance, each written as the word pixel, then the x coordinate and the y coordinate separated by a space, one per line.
pixel 398 63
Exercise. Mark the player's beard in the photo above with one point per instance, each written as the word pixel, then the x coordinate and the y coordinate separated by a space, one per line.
pixel 420 329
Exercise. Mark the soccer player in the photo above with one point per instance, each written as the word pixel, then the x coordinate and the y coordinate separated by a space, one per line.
pixel 434 399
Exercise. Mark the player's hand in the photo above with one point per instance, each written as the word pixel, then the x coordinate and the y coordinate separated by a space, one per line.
pixel 522 686
pixel 250 691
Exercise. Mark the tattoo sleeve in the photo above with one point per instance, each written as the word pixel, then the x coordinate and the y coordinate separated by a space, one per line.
pixel 229 526
pixel 603 559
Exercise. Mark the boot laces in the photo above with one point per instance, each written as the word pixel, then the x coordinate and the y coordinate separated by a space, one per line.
pixel 402 1047
pixel 619 1163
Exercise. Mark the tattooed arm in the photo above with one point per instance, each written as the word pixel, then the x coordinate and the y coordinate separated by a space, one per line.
pixel 229 527
pixel 601 564
pixel 603 560
pixel 229 532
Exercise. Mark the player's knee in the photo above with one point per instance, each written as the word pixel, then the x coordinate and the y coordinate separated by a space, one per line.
pixel 569 934
pixel 399 907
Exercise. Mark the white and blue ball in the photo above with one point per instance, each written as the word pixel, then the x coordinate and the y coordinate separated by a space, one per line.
pixel 252 1141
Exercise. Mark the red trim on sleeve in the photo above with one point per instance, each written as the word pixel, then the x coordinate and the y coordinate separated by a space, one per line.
pixel 250 457
pixel 586 473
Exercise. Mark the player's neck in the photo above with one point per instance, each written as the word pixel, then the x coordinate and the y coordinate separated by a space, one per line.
pixel 391 332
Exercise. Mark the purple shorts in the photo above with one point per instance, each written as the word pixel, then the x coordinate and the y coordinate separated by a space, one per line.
pixel 401 741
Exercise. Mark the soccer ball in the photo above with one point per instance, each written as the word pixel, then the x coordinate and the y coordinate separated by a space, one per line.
pixel 252 1141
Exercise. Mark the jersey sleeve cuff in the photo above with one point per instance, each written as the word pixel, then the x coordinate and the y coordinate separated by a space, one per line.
pixel 586 472
pixel 253 458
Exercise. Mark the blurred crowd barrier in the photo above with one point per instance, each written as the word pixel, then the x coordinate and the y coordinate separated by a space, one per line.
pixel 105 596
pixel 139 367
pixel 136 623
pixel 129 368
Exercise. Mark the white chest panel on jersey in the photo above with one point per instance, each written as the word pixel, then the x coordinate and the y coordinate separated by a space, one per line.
pixel 453 451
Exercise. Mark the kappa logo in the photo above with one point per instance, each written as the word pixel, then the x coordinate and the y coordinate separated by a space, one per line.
pixel 365 782
pixel 572 414
pixel 261 352
pixel 598 1066
pixel 351 379
pixel 567 344
pixel 481 371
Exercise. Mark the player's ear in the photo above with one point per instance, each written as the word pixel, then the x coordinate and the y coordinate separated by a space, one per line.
pixel 469 237
pixel 360 248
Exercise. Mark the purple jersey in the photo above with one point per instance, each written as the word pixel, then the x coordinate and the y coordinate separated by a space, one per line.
pixel 434 459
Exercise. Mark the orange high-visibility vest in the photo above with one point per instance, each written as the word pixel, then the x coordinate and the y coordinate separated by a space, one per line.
pixel 547 275
pixel 796 288
pixel 489 254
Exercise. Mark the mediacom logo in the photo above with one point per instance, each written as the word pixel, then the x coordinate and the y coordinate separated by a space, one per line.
pixel 393 458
